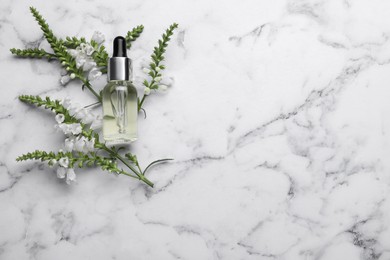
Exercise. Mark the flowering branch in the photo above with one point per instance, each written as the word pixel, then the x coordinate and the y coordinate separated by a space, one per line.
pixel 60 53
pixel 73 42
pixel 132 35
pixel 86 60
pixel 155 67
pixel 81 131
pixel 33 53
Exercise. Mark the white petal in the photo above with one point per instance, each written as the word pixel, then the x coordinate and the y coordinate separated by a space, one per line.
pixel 64 162
pixel 69 144
pixel 64 79
pixel 52 162
pixel 60 118
pixel 79 144
pixel 94 74
pixel 89 49
pixel 67 102
pixel 88 118
pixel 147 91
pixel 88 65
pixel 89 145
pixel 61 172
pixel 81 113
pixel 74 109
pixel 80 60
pixel 76 128
pixel 97 37
pixel 64 128
pixel 73 52
pixel 70 176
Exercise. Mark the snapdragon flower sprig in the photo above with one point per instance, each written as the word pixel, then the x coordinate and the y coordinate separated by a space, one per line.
pixel 132 35
pixel 33 53
pixel 86 60
pixel 73 42
pixel 60 52
pixel 80 159
pixel 155 67
pixel 89 158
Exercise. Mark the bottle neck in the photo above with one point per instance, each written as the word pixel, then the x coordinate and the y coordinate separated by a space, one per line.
pixel 119 68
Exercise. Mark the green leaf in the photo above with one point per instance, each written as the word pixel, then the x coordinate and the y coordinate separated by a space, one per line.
pixel 156 162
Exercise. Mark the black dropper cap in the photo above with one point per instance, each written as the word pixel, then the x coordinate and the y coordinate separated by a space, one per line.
pixel 119 47
pixel 119 66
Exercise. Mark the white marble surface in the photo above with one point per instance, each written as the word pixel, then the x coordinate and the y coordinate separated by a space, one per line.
pixel 278 121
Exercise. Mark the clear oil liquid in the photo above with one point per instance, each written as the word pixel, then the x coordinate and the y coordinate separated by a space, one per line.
pixel 120 111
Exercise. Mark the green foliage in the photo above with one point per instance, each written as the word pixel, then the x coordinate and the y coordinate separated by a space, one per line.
pixel 104 157
pixel 44 156
pixel 107 163
pixel 60 51
pixel 155 66
pixel 73 42
pixel 100 56
pixel 132 35
pixel 33 53
pixel 53 105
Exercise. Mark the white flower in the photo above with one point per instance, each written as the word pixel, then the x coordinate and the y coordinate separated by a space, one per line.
pixel 69 144
pixel 64 162
pixel 88 118
pixel 79 144
pixel 87 48
pixel 163 87
pixel 67 102
pixel 70 176
pixel 157 79
pixel 98 37
pixel 146 70
pixel 64 79
pixel 158 69
pixel 94 74
pixel 74 53
pixel 147 91
pixel 60 118
pixel 52 162
pixel 97 123
pixel 72 76
pixel 62 127
pixel 61 172
pixel 80 112
pixel 90 145
pixel 75 128
pixel 68 173
pixel 80 60
pixel 88 65
pixel 67 129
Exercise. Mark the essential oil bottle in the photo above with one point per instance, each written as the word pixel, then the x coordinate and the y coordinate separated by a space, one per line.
pixel 119 97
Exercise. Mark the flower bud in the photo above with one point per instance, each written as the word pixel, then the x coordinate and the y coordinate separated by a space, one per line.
pixel 147 91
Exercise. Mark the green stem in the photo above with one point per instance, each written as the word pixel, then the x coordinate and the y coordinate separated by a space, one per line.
pixel 89 87
pixel 141 103
pixel 140 176
pixel 93 104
